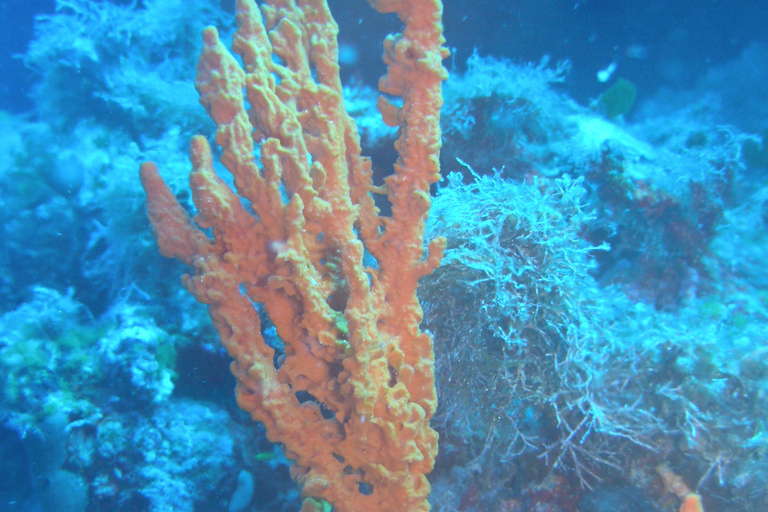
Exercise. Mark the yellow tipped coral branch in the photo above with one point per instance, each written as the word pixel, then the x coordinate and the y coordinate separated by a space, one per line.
pixel 292 235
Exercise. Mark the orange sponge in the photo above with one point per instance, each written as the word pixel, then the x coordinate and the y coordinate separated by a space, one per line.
pixel 691 503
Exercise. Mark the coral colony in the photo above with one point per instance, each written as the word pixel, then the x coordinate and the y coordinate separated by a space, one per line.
pixel 350 331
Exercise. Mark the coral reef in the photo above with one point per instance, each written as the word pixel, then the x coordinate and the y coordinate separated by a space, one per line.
pixel 591 315
pixel 601 310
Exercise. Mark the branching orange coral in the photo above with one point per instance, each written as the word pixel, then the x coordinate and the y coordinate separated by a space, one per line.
pixel 352 395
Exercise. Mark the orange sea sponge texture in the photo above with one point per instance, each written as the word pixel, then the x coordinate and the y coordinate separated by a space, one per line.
pixel 352 396
pixel 675 484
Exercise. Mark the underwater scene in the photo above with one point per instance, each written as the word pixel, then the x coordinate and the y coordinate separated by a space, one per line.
pixel 383 256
